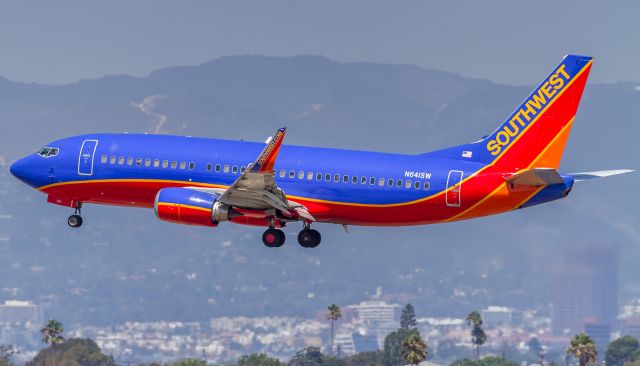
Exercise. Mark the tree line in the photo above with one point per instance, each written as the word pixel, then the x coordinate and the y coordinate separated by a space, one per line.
pixel 405 346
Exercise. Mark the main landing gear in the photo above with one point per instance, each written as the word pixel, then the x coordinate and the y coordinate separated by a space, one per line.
pixel 273 238
pixel 307 238
pixel 75 220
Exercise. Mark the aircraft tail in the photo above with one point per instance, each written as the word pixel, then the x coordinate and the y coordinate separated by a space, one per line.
pixel 534 135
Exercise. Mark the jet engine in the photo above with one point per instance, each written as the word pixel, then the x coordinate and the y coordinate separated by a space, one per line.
pixel 191 207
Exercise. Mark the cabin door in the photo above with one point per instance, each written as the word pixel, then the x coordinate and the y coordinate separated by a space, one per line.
pixel 87 154
pixel 454 188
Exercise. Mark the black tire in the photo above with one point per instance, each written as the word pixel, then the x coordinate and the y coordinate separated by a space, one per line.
pixel 318 237
pixel 306 238
pixel 273 238
pixel 309 238
pixel 74 221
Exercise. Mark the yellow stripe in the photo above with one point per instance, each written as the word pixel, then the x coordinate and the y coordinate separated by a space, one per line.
pixel 495 191
pixel 438 194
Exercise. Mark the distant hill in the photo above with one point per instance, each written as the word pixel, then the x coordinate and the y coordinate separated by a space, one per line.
pixel 126 265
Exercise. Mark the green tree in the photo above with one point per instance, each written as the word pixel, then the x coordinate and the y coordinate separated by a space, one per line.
pixel 333 315
pixel 408 317
pixel 393 346
pixel 373 358
pixel 485 361
pixel 310 356
pixel 414 349
pixel 478 336
pixel 621 351
pixel 189 362
pixel 583 348
pixel 73 352
pixel 52 332
pixel 259 359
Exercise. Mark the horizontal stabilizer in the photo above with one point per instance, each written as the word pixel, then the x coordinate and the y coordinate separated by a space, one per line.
pixel 599 174
pixel 537 177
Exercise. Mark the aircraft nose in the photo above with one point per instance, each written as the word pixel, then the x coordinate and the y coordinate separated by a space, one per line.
pixel 20 169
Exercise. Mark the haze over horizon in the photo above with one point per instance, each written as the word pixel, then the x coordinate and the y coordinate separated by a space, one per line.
pixel 66 42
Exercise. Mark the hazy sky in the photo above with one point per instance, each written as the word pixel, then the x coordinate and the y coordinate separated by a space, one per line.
pixel 505 41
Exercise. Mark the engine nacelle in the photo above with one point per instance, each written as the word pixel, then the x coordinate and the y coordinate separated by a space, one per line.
pixel 185 206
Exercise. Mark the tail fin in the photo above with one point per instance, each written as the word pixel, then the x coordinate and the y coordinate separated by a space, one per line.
pixel 535 134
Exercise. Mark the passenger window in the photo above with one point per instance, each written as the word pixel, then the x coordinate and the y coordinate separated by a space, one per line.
pixel 183 165
pixel 147 162
pixel 156 163
pixel 112 160
pixel 121 160
pixel 390 182
pixel 381 182
pixel 243 169
pixel 129 161
pixel 310 176
pixel 165 163
pixel 345 179
pixel 363 180
pixel 372 181
pixel 138 161
pixel 354 179
pixel 399 183
pixel 234 169
pixel 300 174
pixel 282 173
pixel 336 178
pixel 416 185
pixel 192 165
pixel 318 176
pixel 292 174
pixel 226 168
pixel 209 167
pixel 407 184
pixel 174 164
pixel 426 185
pixel 103 159
pixel 218 167
pixel 327 177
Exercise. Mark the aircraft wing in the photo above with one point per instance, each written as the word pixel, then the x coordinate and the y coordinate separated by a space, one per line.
pixel 256 188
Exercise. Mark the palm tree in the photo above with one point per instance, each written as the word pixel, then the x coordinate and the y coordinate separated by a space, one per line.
pixel 583 348
pixel 333 315
pixel 52 332
pixel 414 349
pixel 478 337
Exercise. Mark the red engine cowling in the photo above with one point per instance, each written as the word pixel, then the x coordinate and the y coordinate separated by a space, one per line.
pixel 185 206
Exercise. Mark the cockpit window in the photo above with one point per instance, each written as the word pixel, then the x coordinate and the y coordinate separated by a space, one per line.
pixel 47 152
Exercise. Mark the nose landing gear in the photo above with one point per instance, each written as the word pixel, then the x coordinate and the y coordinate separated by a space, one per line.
pixel 75 220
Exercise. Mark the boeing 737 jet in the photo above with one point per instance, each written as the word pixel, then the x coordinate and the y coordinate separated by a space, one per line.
pixel 199 181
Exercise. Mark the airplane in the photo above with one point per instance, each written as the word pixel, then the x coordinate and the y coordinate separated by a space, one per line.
pixel 204 182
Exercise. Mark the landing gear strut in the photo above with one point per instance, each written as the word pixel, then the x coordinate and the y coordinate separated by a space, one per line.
pixel 75 220
pixel 309 238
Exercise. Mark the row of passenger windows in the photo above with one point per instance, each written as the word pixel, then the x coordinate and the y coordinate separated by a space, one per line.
pixel 354 179
pixel 147 162
pixel 283 173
